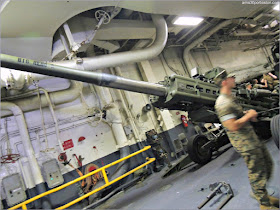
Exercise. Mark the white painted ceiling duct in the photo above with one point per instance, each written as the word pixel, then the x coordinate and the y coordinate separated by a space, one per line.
pixel 33 33
pixel 260 31
pixel 116 59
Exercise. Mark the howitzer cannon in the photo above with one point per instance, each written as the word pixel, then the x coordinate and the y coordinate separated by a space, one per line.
pixel 195 95
pixel 198 96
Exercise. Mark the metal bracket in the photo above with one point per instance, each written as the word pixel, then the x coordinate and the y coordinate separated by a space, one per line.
pixel 216 187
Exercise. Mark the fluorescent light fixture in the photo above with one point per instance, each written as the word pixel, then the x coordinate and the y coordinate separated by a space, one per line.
pixel 276 7
pixel 191 21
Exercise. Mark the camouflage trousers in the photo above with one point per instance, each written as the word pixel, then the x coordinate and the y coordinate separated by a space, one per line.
pixel 260 168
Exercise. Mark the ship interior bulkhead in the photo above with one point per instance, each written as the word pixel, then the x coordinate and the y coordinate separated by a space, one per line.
pixel 110 104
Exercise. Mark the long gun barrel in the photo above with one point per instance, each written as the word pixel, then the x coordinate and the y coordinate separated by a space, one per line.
pixel 101 79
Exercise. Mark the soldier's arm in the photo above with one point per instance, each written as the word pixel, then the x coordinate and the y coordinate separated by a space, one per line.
pixel 234 124
pixel 265 84
pixel 272 75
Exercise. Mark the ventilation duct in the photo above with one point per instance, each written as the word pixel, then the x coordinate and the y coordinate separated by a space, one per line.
pixel 116 59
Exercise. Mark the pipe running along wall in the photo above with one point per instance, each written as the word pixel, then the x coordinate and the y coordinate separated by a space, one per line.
pixel 121 139
pixel 16 80
pixel 115 59
pixel 20 119
pixel 186 54
pixel 58 97
pixel 125 101
pixel 28 148
pixel 113 116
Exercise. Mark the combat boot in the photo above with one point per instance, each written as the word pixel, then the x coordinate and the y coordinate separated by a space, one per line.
pixel 274 201
pixel 263 207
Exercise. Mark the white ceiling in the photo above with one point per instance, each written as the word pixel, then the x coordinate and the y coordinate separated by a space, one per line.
pixel 42 18
pixel 29 26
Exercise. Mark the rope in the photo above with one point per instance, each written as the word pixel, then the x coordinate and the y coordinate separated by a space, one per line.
pixel 100 113
pixel 91 181
pixel 79 172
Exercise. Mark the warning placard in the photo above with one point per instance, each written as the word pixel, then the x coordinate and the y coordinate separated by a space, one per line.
pixel 68 144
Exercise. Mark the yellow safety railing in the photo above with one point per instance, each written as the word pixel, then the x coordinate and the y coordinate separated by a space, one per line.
pixel 107 182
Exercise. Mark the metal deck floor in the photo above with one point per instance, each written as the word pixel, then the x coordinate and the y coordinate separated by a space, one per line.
pixel 183 190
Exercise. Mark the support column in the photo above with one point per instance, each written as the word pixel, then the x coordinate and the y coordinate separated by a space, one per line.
pixel 165 118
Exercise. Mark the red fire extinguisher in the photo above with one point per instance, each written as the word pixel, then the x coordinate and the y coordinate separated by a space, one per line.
pixel 184 120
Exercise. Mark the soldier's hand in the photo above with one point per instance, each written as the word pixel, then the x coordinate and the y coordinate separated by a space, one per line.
pixel 252 113
pixel 254 119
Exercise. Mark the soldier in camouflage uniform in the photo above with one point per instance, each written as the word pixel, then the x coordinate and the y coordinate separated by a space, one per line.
pixel 245 141
pixel 258 86
pixel 271 80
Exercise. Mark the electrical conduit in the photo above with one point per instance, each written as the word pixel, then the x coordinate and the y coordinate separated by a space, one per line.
pixel 54 118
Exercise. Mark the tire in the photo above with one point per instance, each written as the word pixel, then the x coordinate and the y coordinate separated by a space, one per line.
pixel 262 129
pixel 274 125
pixel 195 152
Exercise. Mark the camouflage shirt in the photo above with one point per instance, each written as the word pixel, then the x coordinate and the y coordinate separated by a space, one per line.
pixel 257 86
pixel 269 80
pixel 245 138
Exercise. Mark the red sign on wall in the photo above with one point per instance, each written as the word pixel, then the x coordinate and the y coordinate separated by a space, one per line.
pixel 68 144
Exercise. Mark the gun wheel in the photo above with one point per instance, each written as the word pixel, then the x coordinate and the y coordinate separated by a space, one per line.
pixel 274 125
pixel 263 129
pixel 195 150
